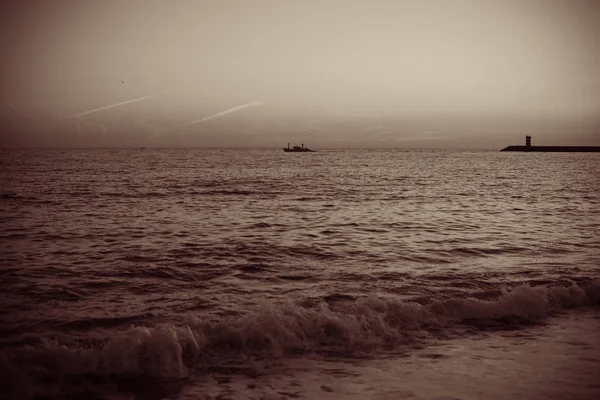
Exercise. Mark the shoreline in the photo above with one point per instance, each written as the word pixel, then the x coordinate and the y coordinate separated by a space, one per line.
pixel 557 360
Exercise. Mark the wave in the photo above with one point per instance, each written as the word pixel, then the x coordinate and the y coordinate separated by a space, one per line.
pixel 5 195
pixel 341 325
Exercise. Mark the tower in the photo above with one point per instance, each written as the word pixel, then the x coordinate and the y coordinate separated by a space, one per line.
pixel 528 141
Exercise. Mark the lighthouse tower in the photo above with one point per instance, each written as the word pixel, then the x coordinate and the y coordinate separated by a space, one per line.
pixel 528 141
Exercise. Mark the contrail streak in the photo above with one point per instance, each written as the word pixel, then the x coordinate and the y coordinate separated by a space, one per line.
pixel 217 115
pixel 81 114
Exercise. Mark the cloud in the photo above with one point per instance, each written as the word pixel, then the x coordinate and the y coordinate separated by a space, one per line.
pixel 372 128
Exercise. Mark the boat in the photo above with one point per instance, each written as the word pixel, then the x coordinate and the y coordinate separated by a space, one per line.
pixel 298 149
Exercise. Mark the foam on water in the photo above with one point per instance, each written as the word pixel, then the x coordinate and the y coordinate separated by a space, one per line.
pixel 557 360
pixel 360 328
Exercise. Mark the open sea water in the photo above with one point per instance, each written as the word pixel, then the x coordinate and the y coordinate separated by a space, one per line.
pixel 259 274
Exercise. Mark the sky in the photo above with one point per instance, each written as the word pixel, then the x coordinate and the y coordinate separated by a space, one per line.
pixel 328 73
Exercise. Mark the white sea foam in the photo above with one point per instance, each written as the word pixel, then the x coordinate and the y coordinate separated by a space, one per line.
pixel 358 327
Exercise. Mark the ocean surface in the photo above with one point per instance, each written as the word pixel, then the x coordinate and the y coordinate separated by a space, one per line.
pixel 258 274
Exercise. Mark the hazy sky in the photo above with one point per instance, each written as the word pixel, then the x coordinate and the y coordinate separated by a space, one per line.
pixel 330 73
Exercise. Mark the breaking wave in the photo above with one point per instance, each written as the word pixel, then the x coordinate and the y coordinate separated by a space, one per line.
pixel 349 327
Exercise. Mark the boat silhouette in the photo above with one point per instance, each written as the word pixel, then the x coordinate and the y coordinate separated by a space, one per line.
pixel 297 149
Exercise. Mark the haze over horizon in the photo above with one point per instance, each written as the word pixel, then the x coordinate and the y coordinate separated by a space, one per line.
pixel 329 73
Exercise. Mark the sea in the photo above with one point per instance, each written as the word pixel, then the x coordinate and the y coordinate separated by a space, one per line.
pixel 174 274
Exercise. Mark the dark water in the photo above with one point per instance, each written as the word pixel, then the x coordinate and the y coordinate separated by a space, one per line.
pixel 141 271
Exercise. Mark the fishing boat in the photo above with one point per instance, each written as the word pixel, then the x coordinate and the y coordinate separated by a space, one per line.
pixel 297 149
